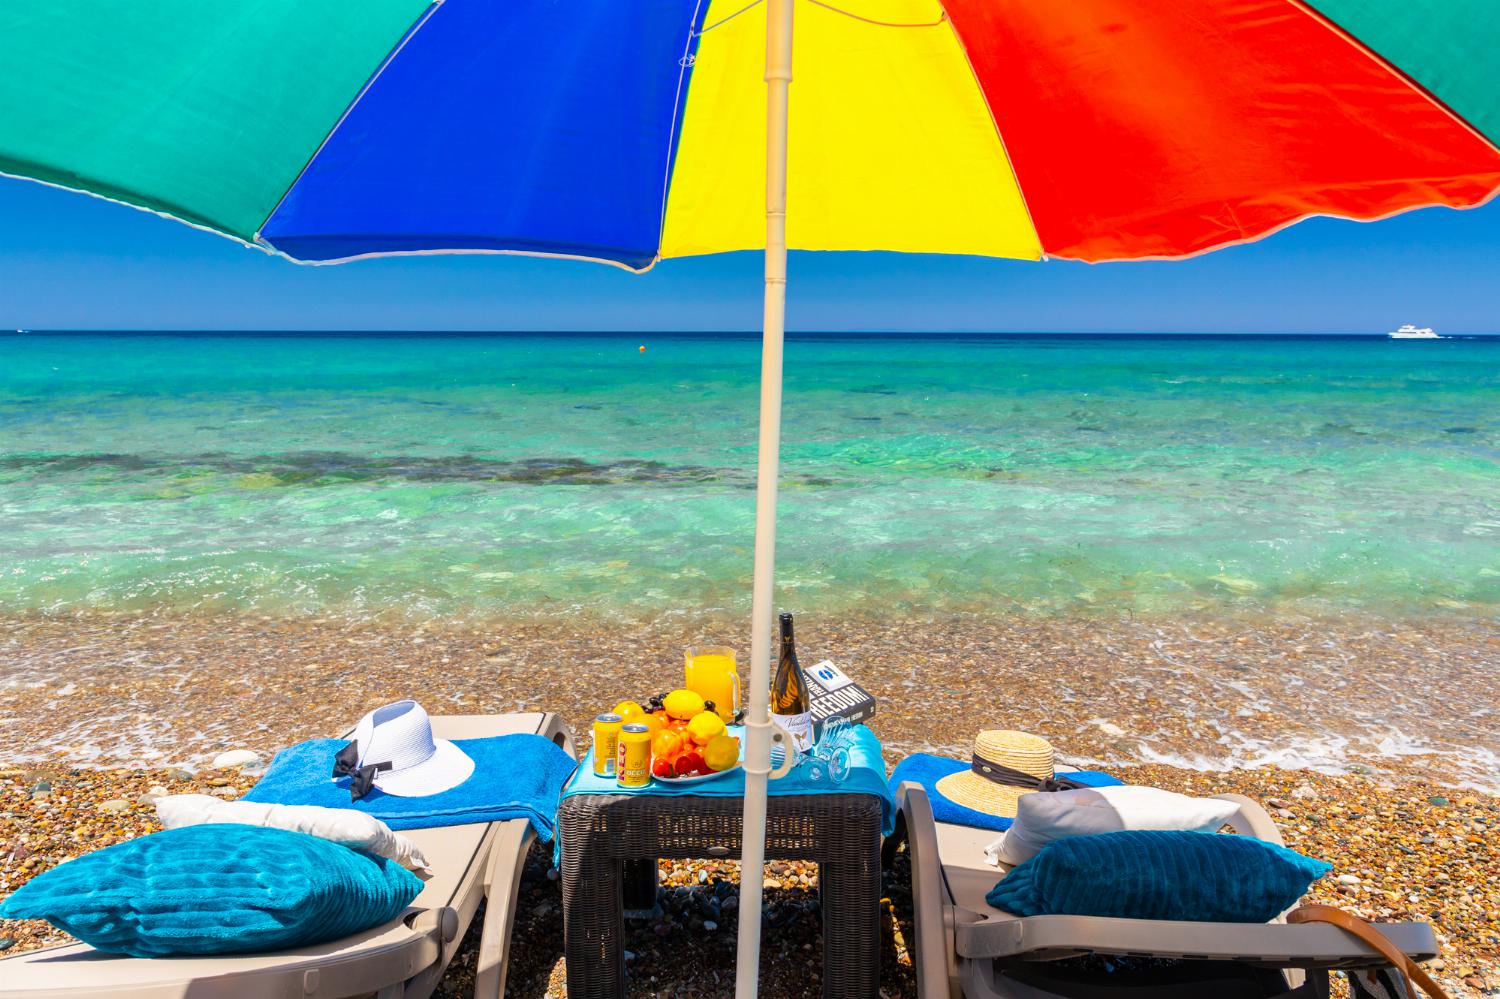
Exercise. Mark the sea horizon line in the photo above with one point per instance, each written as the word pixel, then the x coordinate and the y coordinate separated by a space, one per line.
pixel 733 333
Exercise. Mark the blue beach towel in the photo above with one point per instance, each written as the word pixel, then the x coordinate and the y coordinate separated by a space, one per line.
pixel 515 777
pixel 926 770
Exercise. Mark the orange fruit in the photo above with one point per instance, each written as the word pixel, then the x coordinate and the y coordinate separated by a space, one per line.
pixel 666 744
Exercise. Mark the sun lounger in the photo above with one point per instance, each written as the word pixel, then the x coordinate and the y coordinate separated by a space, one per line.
pixel 402 959
pixel 965 947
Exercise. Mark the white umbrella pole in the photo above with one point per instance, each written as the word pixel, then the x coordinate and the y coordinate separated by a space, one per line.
pixel 763 608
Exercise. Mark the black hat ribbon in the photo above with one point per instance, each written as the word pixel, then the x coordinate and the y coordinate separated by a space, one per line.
pixel 362 779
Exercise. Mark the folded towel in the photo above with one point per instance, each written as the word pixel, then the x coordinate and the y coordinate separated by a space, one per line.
pixel 515 777
pixel 927 770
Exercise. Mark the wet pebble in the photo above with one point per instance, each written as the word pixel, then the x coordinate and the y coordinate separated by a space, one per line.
pixel 236 758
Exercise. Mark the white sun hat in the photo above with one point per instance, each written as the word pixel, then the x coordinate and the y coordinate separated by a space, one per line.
pixel 393 750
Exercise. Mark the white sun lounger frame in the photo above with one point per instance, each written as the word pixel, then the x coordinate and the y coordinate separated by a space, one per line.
pixel 963 944
pixel 402 959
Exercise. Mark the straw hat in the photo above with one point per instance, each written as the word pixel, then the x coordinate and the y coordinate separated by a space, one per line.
pixel 1030 754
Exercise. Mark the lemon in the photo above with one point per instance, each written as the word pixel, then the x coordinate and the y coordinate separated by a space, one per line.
pixel 628 710
pixel 705 726
pixel 722 752
pixel 683 704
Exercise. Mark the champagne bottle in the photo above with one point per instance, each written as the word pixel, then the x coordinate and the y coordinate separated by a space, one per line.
pixel 791 705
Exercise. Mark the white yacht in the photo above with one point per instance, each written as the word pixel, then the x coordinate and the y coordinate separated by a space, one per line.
pixel 1410 332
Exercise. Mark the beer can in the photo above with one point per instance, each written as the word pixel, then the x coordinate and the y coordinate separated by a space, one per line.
pixel 606 743
pixel 633 762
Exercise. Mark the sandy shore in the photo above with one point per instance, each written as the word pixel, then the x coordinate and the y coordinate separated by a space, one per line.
pixel 102 709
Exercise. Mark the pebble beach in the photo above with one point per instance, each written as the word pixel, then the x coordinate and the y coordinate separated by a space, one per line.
pixel 104 712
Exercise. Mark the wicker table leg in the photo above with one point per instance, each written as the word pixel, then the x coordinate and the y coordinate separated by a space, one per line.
pixel 641 879
pixel 593 922
pixel 851 921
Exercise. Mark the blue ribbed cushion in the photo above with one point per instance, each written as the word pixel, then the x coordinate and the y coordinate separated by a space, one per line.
pixel 1213 877
pixel 216 889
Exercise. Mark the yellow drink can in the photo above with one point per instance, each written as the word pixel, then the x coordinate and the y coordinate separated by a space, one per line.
pixel 606 743
pixel 633 761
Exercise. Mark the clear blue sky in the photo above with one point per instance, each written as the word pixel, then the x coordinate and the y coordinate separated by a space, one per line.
pixel 72 262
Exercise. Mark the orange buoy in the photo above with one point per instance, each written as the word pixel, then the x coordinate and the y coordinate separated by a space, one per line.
pixel 643 348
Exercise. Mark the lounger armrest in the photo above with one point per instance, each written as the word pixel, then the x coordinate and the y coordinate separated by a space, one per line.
pixel 440 921
pixel 557 730
pixel 1251 819
pixel 936 959
pixel 1306 945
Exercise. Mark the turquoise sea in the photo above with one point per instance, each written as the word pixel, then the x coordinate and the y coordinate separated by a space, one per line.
pixel 474 476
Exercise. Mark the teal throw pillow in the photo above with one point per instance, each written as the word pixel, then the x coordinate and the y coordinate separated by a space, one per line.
pixel 216 889
pixel 1213 877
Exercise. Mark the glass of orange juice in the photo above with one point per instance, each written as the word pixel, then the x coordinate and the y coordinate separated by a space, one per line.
pixel 713 676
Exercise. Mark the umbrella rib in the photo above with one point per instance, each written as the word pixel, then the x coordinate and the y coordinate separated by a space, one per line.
pixel 999 136
pixel 731 17
pixel 390 57
pixel 942 18
pixel 1399 72
pixel 683 65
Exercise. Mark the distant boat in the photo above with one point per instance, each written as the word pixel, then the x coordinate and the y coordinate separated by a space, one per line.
pixel 1410 332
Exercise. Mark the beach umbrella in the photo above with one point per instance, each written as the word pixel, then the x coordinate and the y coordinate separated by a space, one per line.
pixel 630 131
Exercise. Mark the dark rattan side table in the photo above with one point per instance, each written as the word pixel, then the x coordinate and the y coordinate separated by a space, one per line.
pixel 602 832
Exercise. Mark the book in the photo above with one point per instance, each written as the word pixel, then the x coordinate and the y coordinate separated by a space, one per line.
pixel 834 694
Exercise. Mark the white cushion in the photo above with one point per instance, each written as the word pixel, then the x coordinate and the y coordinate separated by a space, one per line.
pixel 339 825
pixel 1048 815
